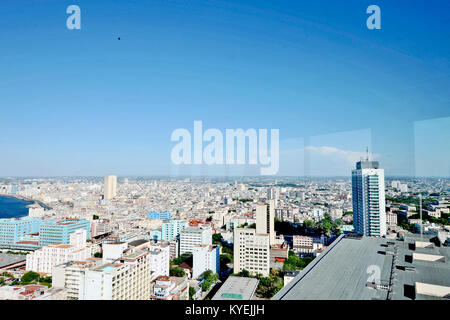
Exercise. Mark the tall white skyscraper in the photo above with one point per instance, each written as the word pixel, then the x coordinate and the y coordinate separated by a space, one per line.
pixel 369 207
pixel 265 219
pixel 110 188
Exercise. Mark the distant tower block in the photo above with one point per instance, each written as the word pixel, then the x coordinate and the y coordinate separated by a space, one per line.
pixel 110 188
pixel 265 219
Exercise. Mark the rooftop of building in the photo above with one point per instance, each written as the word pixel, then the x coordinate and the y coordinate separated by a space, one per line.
pixel 345 269
pixel 7 259
pixel 237 288
pixel 136 243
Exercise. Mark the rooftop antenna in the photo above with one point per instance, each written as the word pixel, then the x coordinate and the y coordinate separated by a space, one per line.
pixel 367 153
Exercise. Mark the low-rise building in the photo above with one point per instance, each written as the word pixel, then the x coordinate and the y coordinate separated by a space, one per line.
pixel 170 288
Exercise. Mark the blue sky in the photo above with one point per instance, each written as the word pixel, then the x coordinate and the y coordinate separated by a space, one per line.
pixel 81 102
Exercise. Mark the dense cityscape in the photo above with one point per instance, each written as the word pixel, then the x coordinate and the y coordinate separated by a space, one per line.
pixel 247 238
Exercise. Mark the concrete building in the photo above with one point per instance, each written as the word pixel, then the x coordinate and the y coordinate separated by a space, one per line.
pixel 170 288
pixel 112 251
pixel 205 257
pixel 13 230
pixel 251 251
pixel 127 279
pixel 265 219
pixel 59 231
pixel 160 260
pixel 100 227
pixel 171 229
pixel 44 259
pixel 68 276
pixel 368 194
pixel 193 236
pixel 110 187
pixel 306 244
pixel 159 215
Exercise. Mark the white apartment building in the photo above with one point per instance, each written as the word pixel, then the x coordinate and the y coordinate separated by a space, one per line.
pixel 35 211
pixel 43 260
pixel 265 219
pixel 170 288
pixel 368 195
pixel 192 236
pixel 251 251
pixel 68 276
pixel 205 257
pixel 113 251
pixel 160 260
pixel 128 279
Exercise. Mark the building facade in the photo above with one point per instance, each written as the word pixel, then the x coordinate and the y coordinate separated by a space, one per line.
pixel 205 257
pixel 193 236
pixel 251 251
pixel 368 196
pixel 59 231
pixel 265 219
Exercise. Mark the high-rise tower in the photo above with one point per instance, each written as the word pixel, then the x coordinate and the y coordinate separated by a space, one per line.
pixel 265 215
pixel 369 208
pixel 110 188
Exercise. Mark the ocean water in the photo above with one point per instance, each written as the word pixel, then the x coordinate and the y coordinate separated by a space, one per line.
pixel 11 207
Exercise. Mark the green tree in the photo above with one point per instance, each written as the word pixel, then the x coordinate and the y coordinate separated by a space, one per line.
pixel 177 272
pixel 216 238
pixel 309 224
pixel 191 293
pixel 30 277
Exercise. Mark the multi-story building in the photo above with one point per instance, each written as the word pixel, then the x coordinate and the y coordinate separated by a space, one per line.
pixel 13 230
pixel 170 288
pixel 110 187
pixel 44 259
pixel 160 259
pixel 128 279
pixel 174 249
pixel 192 236
pixel 171 229
pixel 251 251
pixel 306 244
pixel 59 231
pixel 68 276
pixel 159 215
pixel 205 257
pixel 100 227
pixel 265 219
pixel 369 211
pixel 391 218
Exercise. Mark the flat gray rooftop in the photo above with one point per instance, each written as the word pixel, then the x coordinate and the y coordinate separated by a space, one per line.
pixel 9 259
pixel 237 288
pixel 343 270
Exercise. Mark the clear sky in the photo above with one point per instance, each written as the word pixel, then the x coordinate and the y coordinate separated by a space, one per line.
pixel 82 102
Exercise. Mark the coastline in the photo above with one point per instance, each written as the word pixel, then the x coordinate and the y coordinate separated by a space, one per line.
pixel 36 202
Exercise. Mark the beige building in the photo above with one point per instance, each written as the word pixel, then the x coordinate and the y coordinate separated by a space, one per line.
pixel 251 251
pixel 128 279
pixel 110 187
pixel 265 219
